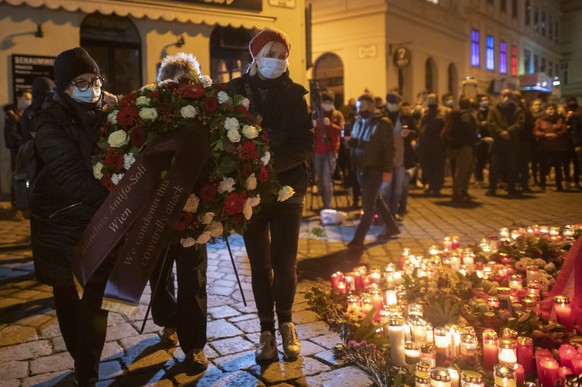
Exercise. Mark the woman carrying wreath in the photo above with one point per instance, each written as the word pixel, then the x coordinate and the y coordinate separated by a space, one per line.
pixel 65 198
pixel 272 235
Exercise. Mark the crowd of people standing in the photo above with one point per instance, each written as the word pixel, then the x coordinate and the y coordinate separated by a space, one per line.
pixel 522 146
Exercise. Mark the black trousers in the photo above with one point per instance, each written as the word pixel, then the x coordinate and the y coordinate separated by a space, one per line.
pixel 551 159
pixel 83 325
pixel 271 241
pixel 503 161
pixel 186 311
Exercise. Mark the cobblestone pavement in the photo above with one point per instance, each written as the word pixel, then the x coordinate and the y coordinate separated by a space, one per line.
pixel 32 351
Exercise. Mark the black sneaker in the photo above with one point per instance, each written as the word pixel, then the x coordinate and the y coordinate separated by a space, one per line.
pixel 169 337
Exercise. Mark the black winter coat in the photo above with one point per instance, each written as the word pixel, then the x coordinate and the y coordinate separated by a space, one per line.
pixel 66 194
pixel 281 104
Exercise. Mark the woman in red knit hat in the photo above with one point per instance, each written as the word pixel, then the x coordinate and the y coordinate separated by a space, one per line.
pixel 272 236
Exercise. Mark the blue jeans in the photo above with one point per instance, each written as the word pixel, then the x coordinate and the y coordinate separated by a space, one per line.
pixel 324 166
pixel 392 192
pixel 271 241
pixel 372 201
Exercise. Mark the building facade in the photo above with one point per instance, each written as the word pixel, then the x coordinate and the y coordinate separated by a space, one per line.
pixel 571 42
pixel 420 46
pixel 128 39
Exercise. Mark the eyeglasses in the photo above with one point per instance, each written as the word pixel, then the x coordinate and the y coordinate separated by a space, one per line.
pixel 84 85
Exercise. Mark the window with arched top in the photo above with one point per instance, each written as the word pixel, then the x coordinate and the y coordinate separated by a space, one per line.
pixel 328 70
pixel 430 77
pixel 115 44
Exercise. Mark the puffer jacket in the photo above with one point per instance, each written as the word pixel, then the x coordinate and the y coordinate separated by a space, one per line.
pixel 372 144
pixel 66 194
pixel 281 104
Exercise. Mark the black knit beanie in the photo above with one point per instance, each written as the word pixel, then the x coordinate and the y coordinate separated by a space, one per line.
pixel 72 63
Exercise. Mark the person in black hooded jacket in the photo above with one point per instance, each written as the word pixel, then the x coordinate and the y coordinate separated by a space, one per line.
pixel 64 200
pixel 42 87
pixel 283 107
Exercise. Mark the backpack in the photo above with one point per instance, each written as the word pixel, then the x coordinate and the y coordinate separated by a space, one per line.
pixel 24 175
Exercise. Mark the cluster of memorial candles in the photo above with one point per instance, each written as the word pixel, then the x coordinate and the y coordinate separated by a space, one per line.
pixel 415 342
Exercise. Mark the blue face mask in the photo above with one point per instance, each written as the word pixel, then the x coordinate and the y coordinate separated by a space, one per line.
pixel 271 68
pixel 91 95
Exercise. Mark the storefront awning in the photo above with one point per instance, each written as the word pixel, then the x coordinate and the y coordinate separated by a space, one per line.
pixel 155 10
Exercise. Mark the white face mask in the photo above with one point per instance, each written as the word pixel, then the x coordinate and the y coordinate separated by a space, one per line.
pixel 91 95
pixel 23 104
pixel 271 68
pixel 327 106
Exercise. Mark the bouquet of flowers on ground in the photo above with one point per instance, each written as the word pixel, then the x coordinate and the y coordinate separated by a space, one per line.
pixel 238 177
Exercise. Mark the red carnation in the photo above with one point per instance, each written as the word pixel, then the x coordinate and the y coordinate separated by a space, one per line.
pixel 137 137
pixel 264 175
pixel 192 90
pixel 248 151
pixel 127 116
pixel 114 160
pixel 210 104
pixel 265 136
pixel 234 203
pixel 208 192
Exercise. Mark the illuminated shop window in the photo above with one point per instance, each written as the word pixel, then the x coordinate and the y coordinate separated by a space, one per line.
pixel 514 61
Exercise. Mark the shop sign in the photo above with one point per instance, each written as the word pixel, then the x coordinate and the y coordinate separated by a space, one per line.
pixel 401 57
pixel 370 51
pixel 249 5
pixel 27 67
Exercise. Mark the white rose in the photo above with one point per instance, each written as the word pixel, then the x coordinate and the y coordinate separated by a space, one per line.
pixel 233 135
pixel 251 182
pixel 206 218
pixel 188 242
pixel 203 238
pixel 226 185
pixel 245 102
pixel 118 138
pixel 188 111
pixel 116 178
pixel 142 101
pixel 215 229
pixel 266 158
pixel 231 123
pixel 128 160
pixel 285 193
pixel 148 87
pixel 112 117
pixel 206 80
pixel 97 170
pixel 148 114
pixel 192 203
pixel 222 97
pixel 250 131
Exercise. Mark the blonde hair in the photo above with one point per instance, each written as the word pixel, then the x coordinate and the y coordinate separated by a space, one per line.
pixel 177 66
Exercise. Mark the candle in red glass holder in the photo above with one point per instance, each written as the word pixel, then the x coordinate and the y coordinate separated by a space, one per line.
pixel 550 372
pixel 455 242
pixel 341 287
pixel 563 310
pixel 577 364
pixel 563 372
pixel 336 278
pixel 359 279
pixel 540 354
pixel 525 353
pixel 349 280
pixel 519 374
pixel 490 348
pixel 567 353
pixel 515 282
pixel 447 244
pixel 507 352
